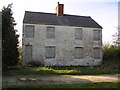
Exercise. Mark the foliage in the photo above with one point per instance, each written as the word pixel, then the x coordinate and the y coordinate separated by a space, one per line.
pixel 10 41
pixel 20 55
pixel 82 85
pixel 110 52
pixel 111 55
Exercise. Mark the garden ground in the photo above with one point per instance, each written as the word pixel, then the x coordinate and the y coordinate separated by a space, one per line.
pixel 71 76
pixel 59 79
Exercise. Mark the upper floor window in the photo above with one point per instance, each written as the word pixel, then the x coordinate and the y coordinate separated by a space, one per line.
pixel 78 52
pixel 96 34
pixel 50 32
pixel 78 33
pixel 29 31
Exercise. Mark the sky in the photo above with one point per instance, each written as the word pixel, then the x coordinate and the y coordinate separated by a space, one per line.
pixel 104 12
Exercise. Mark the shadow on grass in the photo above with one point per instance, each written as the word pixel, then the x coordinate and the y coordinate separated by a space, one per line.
pixel 60 70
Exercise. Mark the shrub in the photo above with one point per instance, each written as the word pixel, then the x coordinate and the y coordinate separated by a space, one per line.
pixel 110 52
pixel 110 56
pixel 35 63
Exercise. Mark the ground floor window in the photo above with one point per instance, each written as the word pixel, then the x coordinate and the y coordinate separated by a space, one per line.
pixel 50 52
pixel 78 52
pixel 97 53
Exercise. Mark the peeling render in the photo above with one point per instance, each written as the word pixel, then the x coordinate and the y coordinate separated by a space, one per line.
pixel 65 44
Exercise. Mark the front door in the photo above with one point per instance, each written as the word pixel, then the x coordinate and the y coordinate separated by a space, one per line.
pixel 28 53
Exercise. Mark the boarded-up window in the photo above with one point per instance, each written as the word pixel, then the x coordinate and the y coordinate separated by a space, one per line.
pixel 78 33
pixel 50 32
pixel 96 53
pixel 29 31
pixel 28 53
pixel 78 52
pixel 96 34
pixel 50 52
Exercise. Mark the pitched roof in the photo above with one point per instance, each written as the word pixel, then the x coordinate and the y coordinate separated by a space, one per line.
pixel 53 19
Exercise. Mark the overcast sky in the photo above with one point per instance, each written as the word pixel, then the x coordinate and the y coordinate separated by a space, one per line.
pixel 104 12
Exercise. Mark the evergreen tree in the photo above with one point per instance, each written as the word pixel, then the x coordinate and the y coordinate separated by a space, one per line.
pixel 10 41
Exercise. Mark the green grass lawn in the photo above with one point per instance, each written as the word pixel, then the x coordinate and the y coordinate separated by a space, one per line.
pixel 108 67
pixel 85 85
pixel 60 70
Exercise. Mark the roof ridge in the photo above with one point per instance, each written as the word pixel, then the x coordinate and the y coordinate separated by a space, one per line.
pixel 39 12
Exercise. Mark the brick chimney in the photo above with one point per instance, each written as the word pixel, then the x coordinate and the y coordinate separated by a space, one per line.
pixel 60 9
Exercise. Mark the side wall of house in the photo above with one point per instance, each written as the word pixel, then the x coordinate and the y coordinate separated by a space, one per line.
pixel 65 44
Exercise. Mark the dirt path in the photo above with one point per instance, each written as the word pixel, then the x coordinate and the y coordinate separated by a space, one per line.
pixel 59 79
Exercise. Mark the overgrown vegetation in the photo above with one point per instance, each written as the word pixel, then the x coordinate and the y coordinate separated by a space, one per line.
pixel 110 52
pixel 10 55
pixel 20 56
pixel 111 56
pixel 84 85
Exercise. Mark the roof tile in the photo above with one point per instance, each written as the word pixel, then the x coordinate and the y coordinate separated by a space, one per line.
pixel 53 19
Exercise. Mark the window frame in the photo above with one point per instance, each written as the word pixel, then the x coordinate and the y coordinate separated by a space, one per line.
pixel 49 57
pixel 50 32
pixel 96 57
pixel 79 57
pixel 77 37
pixel 94 35
pixel 26 31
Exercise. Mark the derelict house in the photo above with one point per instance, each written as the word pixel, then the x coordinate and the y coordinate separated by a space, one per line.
pixel 58 39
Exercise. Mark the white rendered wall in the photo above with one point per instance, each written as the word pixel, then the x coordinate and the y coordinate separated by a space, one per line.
pixel 64 43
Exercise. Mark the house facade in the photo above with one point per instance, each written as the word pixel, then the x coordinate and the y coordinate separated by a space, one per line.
pixel 60 39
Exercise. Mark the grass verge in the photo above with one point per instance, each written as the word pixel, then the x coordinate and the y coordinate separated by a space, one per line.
pixel 85 85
